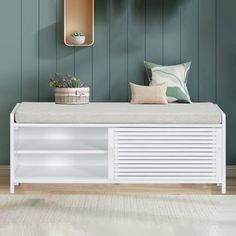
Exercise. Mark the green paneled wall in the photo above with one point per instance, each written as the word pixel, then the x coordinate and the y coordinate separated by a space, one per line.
pixel 126 33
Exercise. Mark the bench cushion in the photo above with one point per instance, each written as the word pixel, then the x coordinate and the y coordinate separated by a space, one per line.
pixel 119 113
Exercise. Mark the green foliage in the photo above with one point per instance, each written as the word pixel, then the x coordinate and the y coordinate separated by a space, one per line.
pixel 77 34
pixel 68 81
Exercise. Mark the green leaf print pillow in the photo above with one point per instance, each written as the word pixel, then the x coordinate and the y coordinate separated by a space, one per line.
pixel 175 77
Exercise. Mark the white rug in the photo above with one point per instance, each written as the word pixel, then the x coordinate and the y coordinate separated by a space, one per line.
pixel 112 215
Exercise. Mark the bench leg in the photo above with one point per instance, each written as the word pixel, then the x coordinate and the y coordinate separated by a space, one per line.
pixel 223 188
pixel 12 181
pixel 12 187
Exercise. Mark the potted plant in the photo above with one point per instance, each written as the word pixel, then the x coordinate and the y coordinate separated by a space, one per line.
pixel 78 37
pixel 69 89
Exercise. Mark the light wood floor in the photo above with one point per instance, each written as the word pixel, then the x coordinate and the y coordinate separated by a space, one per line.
pixel 116 189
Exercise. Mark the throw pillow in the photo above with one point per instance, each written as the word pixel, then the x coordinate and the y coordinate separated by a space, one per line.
pixel 148 94
pixel 175 78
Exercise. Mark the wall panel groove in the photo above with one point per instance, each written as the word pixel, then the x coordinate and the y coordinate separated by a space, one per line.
pixel 198 48
pixel 126 33
pixel 38 48
pixel 21 48
pixel 216 50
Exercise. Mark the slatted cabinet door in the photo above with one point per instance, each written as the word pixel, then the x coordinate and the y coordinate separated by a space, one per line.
pixel 183 155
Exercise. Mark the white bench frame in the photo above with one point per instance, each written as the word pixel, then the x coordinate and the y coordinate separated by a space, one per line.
pixel 126 158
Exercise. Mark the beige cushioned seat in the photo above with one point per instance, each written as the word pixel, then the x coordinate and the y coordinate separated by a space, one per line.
pixel 119 113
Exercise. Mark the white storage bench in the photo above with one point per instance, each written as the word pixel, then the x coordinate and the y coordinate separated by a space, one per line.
pixel 117 143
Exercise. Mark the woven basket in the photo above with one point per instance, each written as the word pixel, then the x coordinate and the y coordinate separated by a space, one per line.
pixel 72 96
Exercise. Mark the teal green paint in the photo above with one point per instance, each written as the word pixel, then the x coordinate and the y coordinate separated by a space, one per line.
pixel 126 33
pixel 30 52
pixel 47 46
pixel 207 50
pixel 190 44
pixel 226 70
pixel 65 55
pixel 172 32
pixel 101 58
pixel 10 69
pixel 136 42
pixel 118 50
pixel 154 31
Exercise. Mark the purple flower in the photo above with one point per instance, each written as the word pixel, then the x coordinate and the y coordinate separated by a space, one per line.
pixel 68 81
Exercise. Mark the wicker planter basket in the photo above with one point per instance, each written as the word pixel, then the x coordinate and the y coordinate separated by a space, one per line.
pixel 72 96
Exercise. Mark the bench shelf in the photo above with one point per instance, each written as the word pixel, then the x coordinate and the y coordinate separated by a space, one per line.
pixel 61 174
pixel 44 146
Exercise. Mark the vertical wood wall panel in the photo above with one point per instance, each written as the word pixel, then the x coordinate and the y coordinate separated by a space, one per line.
pixel 65 55
pixel 47 47
pixel 207 50
pixel 172 32
pixel 118 47
pixel 101 75
pixel 126 33
pixel 226 70
pixel 10 69
pixel 30 44
pixel 154 31
pixel 136 41
pixel 189 43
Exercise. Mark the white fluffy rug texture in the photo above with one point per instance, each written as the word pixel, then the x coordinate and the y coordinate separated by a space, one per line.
pixel 112 215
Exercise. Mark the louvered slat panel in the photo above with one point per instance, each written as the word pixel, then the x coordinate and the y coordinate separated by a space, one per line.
pixel 165 129
pixel 179 165
pixel 166 138
pixel 173 174
pixel 161 157
pixel 160 170
pixel 151 133
pixel 163 142
pixel 166 149
pixel 156 153
pixel 177 161
pixel 161 154
pixel 159 146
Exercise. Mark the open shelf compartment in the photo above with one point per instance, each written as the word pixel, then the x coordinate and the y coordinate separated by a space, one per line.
pixel 61 155
pixel 61 140
pixel 85 146
pixel 79 17
pixel 61 174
